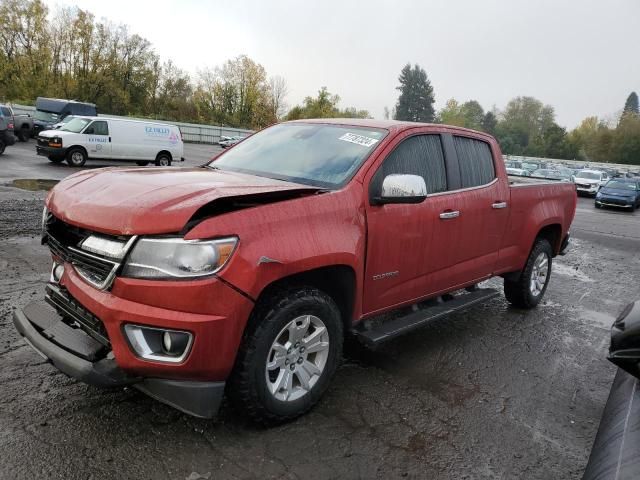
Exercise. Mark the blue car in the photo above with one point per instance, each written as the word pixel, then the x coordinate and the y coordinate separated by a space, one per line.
pixel 619 192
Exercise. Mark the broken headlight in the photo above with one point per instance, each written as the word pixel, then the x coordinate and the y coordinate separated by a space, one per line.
pixel 171 258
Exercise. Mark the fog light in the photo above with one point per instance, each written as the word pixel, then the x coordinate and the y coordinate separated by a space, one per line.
pixel 175 343
pixel 159 344
pixel 57 270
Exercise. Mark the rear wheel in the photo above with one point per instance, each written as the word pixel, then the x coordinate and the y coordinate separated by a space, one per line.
pixel 142 164
pixel 22 134
pixel 527 291
pixel 76 157
pixel 163 160
pixel 289 353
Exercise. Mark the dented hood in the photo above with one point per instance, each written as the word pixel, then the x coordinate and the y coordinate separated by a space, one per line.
pixel 128 201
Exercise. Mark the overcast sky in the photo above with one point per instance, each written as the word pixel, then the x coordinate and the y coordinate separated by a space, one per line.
pixel 581 56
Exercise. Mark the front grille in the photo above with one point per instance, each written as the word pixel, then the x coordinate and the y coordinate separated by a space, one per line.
pixel 60 299
pixel 582 185
pixel 64 242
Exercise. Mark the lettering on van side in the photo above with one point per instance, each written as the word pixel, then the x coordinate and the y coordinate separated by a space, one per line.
pixel 157 131
pixel 97 139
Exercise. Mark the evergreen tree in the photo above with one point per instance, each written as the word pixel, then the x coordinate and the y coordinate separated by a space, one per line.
pixel 631 105
pixel 416 99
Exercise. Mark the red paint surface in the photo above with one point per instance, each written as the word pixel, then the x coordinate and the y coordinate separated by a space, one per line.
pixel 340 227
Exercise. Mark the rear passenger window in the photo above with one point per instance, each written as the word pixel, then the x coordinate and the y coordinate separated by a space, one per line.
pixel 418 155
pixel 475 160
pixel 5 111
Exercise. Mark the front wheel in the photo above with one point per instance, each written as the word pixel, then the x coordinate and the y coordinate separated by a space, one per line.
pixel 163 160
pixel 288 356
pixel 527 291
pixel 76 157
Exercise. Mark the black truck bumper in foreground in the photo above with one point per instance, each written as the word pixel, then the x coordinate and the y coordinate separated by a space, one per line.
pixel 72 352
pixel 616 451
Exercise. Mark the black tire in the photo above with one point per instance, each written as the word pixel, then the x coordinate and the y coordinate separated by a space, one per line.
pixel 2 146
pixel 76 157
pixel 142 164
pixel 598 205
pixel 247 387
pixel 163 160
pixel 519 292
pixel 22 135
pixel 56 159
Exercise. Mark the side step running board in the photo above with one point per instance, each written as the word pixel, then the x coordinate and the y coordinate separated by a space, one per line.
pixel 398 326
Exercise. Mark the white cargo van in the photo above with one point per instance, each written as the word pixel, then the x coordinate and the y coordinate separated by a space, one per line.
pixel 92 138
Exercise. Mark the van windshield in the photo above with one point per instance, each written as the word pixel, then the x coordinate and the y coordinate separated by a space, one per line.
pixel 45 116
pixel 76 125
pixel 308 153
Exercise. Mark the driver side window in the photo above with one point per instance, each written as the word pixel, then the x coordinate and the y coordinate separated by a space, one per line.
pixel 417 155
pixel 97 128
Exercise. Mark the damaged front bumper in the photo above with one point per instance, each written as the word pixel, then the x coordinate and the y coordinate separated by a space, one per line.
pixel 82 357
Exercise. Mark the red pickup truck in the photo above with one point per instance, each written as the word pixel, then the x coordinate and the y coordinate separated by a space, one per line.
pixel 245 274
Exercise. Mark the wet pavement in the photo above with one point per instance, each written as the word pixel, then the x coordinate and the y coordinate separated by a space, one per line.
pixel 491 393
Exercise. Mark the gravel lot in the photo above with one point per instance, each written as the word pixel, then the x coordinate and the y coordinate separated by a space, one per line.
pixel 491 393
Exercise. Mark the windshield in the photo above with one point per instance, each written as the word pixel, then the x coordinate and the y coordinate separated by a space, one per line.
pixel 588 175
pixel 76 125
pixel 621 185
pixel 45 116
pixel 311 154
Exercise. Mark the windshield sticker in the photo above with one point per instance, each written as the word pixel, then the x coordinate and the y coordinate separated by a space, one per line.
pixel 358 139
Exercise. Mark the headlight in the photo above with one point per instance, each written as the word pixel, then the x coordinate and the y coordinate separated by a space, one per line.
pixel 55 142
pixel 166 258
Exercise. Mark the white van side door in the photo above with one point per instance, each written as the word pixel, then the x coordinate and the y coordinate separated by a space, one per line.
pixel 97 140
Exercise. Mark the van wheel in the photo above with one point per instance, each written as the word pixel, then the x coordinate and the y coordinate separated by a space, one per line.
pixel 76 157
pixel 142 164
pixel 55 159
pixel 22 135
pixel 163 160
pixel 290 351
pixel 527 291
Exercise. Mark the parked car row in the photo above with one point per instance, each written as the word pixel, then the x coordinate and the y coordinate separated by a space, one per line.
pixel 226 142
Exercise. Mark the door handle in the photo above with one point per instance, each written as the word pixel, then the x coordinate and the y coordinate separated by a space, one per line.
pixel 498 205
pixel 449 214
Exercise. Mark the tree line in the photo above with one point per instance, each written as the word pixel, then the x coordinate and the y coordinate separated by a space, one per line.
pixel 70 54
pixel 526 126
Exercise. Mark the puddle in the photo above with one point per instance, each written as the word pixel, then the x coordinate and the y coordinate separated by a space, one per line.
pixel 33 184
pixel 562 269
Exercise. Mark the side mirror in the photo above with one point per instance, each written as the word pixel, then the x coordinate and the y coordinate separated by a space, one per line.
pixel 400 188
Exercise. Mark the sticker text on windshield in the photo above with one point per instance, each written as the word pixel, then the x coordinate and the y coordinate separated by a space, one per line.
pixel 358 139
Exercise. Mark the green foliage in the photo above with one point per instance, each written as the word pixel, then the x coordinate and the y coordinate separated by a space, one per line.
pixel 631 105
pixel 325 105
pixel 416 100
pixel 71 55
pixel 469 114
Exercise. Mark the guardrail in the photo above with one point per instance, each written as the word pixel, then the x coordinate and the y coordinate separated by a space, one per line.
pixel 191 132
pixel 582 163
